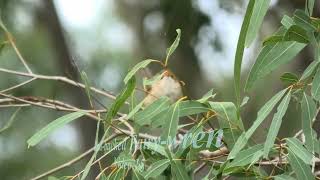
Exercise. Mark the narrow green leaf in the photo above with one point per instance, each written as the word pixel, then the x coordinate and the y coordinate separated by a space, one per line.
pixel 302 170
pixel 303 20
pixel 146 116
pixel 276 123
pixel 270 58
pixel 296 33
pixel 310 6
pixel 54 125
pixel 310 70
pixel 289 78
pixel 10 121
pixel 315 89
pixel 156 147
pixel 179 171
pixel 228 119
pixel 192 107
pixel 134 110
pixel 259 11
pixel 173 47
pixel 172 121
pixel 308 113
pixel 297 148
pixel 157 168
pixel 240 49
pixel 262 114
pixel 121 99
pixel 247 156
pixel 136 68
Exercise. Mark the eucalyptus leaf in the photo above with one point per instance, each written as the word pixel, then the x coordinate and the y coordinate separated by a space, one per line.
pixel 302 170
pixel 228 119
pixel 121 99
pixel 297 148
pixel 247 156
pixel 54 125
pixel 276 123
pixel 136 68
pixel 289 78
pixel 174 46
pixel 259 11
pixel 303 20
pixel 315 89
pixel 146 116
pixel 270 58
pixel 308 113
pixel 157 168
pixel 241 47
pixel 262 114
pixel 172 121
pixel 296 33
pixel 309 70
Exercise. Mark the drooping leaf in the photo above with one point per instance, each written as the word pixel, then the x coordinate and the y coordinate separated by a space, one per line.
pixel 247 156
pixel 289 78
pixel 172 121
pixel 136 68
pixel 310 70
pixel 174 46
pixel 179 171
pixel 315 89
pixel 134 110
pixel 296 33
pixel 308 113
pixel 228 119
pixel 302 170
pixel 157 168
pixel 121 99
pixel 146 116
pixel 262 114
pixel 270 58
pixel 276 123
pixel 297 148
pixel 259 11
pixel 156 147
pixel 192 107
pixel 240 49
pixel 54 125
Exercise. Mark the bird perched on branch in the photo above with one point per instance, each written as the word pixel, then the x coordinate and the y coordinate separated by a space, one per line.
pixel 168 85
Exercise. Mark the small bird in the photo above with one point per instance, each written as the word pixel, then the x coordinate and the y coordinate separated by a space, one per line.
pixel 168 86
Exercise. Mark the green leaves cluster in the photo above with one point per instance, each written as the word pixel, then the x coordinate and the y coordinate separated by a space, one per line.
pixel 164 158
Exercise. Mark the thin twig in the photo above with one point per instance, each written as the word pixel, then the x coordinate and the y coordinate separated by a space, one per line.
pixel 61 79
